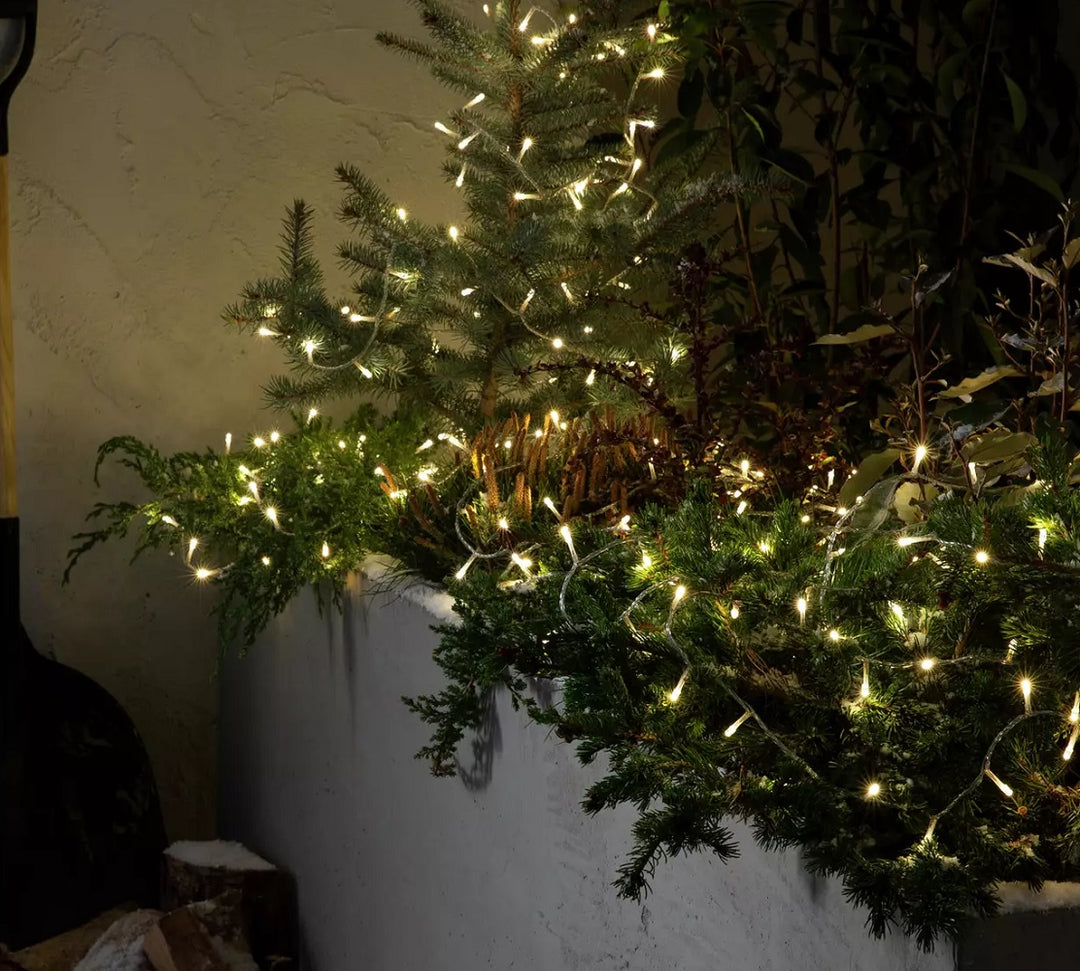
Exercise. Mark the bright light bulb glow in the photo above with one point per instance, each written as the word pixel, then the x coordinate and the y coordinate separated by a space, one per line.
pixel 800 606
pixel 898 611
pixel 926 663
pixel 590 377
pixel 735 725
pixel 402 214
pixel 744 466
pixel 982 557
pixel 557 343
pixel 192 544
pixel 904 541
pixel 325 551
pixel 765 547
pixel 228 442
pixel 439 126
pixel 169 520
pixel 504 523
pixel 521 563
pixel 526 144
pixel 203 573
pixel 873 790
pixel 475 101
pixel 656 72
pixel 1071 746
pixel 464 143
pixel 274 436
pixel 646 561
pixel 258 442
pixel 834 635
pixel 864 688
pixel 552 508
pixel 266 561
pixel 464 568
pixel 1074 715
pixel 1025 690
pixel 741 508
pixel 453 232
pixel 271 514
pixel 920 456
pixel 734 612
pixel 1042 540
pixel 568 539
pixel 651 31
pixel 675 693
pixel 312 414
pixel 1006 790
pixel 680 593
pixel 266 332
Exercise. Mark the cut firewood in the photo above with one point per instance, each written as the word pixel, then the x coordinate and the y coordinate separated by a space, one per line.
pixel 196 871
pixel 120 947
pixel 179 942
pixel 64 951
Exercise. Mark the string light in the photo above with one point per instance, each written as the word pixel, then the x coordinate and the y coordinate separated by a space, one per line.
pixel 646 561
pixel 312 414
pixel 271 513
pixel 266 561
pixel 169 520
pixel 1006 790
pixel 1042 540
pixel 522 564
pixel 453 232
pixel 680 593
pixel 228 442
pixel 651 31
pixel 202 573
pixel 735 725
pixel 1074 715
pixel 1071 744
pixel 439 126
pixel 503 524
pixel 402 214
pixel 526 144
pixel 266 332
pixel 927 663
pixel 274 436
pixel 675 693
pixel 834 635
pixel 192 544
pixel 475 101
pixel 982 557
pixel 464 568
pixel 800 606
pixel 325 551
pixel 466 141
pixel 864 688
pixel 920 456
pixel 873 790
pixel 1025 690
pixel 656 72
pixel 564 532
pixel 258 442
pixel 741 508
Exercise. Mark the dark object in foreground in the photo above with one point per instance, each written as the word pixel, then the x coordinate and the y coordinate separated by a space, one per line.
pixel 90 833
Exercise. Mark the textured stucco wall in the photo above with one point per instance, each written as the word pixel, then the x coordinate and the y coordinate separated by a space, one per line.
pixel 154 147
pixel 399 871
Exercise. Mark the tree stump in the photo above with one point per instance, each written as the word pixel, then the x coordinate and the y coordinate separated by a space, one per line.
pixel 1036 930
pixel 196 871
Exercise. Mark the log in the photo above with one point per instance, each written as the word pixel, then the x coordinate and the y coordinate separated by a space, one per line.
pixel 179 942
pixel 64 951
pixel 197 871
pixel 120 948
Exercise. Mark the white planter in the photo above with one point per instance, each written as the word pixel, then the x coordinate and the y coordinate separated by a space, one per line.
pixel 399 871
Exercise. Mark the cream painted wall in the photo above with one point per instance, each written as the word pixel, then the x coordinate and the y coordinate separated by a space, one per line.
pixel 154 148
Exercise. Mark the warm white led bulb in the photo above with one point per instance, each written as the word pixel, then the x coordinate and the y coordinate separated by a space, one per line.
pixel 1006 790
pixel 325 550
pixel 680 593
pixel 982 557
pixel 271 514
pixel 734 726
pixel 873 790
pixel 926 663
pixel 734 612
pixel 675 693
pixel 920 456
pixel 800 606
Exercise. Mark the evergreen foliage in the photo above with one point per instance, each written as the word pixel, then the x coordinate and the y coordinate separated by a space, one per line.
pixel 621 402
